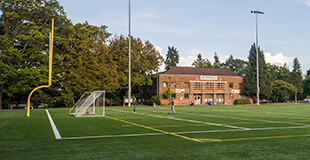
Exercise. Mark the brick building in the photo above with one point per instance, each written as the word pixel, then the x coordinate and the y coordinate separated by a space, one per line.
pixel 200 85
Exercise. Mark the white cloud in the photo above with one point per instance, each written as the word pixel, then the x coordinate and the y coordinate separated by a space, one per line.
pixel 306 2
pixel 162 67
pixel 186 61
pixel 278 59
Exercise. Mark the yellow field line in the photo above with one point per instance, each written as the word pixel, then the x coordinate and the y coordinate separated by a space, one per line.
pixel 252 138
pixel 154 129
pixel 274 122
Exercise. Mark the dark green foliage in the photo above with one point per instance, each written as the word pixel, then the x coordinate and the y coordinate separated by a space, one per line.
pixel 250 84
pixel 282 90
pixel 172 57
pixel 236 65
pixel 296 77
pixel 199 62
pixel 23 37
pixel 306 84
pixel 242 101
pixel 156 100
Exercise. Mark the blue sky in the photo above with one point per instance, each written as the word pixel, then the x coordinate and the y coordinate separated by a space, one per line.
pixel 207 26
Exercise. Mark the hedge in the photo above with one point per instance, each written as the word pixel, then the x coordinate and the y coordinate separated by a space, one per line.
pixel 242 101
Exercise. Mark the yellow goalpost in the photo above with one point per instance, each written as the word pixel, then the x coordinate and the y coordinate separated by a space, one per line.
pixel 51 39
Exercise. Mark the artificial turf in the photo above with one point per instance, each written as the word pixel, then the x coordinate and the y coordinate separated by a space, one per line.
pixel 195 132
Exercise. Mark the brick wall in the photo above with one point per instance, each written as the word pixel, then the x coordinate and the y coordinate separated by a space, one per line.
pixel 229 88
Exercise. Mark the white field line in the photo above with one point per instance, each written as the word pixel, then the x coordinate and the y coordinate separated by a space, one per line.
pixel 276 116
pixel 185 120
pixel 248 119
pixel 189 132
pixel 112 136
pixel 55 130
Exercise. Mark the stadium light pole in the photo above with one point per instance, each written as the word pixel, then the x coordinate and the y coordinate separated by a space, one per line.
pixel 257 69
pixel 129 64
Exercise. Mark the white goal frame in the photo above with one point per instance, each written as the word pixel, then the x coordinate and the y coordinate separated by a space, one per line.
pixel 91 104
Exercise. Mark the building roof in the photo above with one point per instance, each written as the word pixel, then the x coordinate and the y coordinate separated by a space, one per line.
pixel 200 71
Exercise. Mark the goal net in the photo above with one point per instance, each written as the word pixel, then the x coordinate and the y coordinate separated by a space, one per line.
pixel 90 104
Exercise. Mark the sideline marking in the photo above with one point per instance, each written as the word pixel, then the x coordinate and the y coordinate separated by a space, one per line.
pixel 248 119
pixel 55 130
pixel 154 129
pixel 112 136
pixel 256 138
pixel 188 132
pixel 185 120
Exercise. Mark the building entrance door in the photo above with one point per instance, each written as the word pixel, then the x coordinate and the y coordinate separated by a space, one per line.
pixel 197 98
pixel 220 98
pixel 208 98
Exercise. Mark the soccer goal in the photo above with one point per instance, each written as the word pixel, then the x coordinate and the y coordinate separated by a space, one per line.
pixel 91 104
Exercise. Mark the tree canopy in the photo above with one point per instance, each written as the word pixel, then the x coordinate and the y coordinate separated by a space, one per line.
pixel 250 83
pixel 172 57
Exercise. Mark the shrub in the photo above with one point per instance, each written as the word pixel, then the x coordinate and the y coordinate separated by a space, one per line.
pixel 148 102
pixel 242 101
pixel 156 100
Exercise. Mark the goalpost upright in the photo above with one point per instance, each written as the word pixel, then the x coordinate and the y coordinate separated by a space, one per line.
pixel 51 40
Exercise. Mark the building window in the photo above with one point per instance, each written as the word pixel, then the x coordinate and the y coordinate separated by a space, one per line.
pixel 231 85
pixel 186 84
pixel 208 98
pixel 186 95
pixel 173 96
pixel 231 95
pixel 240 96
pixel 165 96
pixel 173 84
pixel 197 85
pixel 240 85
pixel 165 84
pixel 220 86
pixel 208 85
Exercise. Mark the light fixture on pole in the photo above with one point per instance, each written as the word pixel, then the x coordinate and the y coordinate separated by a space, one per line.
pixel 257 68
pixel 129 64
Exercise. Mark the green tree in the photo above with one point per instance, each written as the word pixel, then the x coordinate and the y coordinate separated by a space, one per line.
pixel 199 62
pixel 296 77
pixel 23 45
pixel 89 66
pixel 250 85
pixel 306 85
pixel 217 63
pixel 236 65
pixel 282 90
pixel 172 57
pixel 168 94
pixel 145 61
pixel 284 73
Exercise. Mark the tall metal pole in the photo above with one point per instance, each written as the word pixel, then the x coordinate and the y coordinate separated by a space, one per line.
pixel 257 61
pixel 129 67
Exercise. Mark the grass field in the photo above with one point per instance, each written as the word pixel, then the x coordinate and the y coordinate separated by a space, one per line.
pixel 195 132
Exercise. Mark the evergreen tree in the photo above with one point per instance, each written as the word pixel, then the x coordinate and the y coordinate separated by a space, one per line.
pixel 216 63
pixel 199 62
pixel 284 73
pixel 172 57
pixel 296 77
pixel 306 85
pixel 216 58
pixel 250 83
